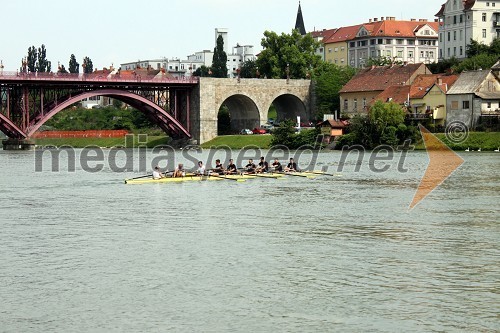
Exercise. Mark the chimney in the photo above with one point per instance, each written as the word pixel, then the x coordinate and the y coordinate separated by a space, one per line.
pixel 436 20
pixel 375 19
pixel 369 20
pixel 412 20
pixel 439 81
pixel 381 18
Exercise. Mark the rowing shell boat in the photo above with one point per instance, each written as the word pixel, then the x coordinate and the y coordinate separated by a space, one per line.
pixel 187 178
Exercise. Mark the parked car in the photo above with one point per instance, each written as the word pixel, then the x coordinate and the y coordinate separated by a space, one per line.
pixel 259 131
pixel 267 127
pixel 246 131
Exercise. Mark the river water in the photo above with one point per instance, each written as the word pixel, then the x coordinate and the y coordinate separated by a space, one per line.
pixel 83 252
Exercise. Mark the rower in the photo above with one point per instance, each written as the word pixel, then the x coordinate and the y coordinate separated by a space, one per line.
pixel 157 174
pixel 179 171
pixel 219 168
pixel 231 168
pixel 263 166
pixel 201 169
pixel 250 167
pixel 277 166
pixel 292 166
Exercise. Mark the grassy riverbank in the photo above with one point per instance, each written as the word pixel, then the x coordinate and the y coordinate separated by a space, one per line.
pixel 487 141
pixel 239 141
pixel 151 141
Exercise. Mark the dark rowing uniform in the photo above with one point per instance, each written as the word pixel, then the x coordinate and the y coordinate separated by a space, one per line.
pixel 250 168
pixel 277 166
pixel 231 168
pixel 264 166
pixel 219 168
pixel 292 166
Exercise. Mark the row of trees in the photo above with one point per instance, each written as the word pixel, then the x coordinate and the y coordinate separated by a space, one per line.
pixel 36 61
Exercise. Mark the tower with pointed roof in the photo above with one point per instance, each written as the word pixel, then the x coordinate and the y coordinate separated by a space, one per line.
pixel 299 23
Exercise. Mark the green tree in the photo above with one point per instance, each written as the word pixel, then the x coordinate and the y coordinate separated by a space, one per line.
pixel 202 71
pixel 88 67
pixel 43 65
pixel 483 61
pixel 474 48
pixel 284 134
pixel 249 69
pixel 31 59
pixel 329 79
pixel 219 62
pixel 74 66
pixel 223 121
pixel 443 66
pixel 288 55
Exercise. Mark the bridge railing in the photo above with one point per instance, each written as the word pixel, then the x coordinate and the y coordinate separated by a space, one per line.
pixel 96 77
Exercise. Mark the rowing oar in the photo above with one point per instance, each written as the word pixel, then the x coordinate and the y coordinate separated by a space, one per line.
pixel 150 175
pixel 324 173
pixel 296 175
pixel 221 177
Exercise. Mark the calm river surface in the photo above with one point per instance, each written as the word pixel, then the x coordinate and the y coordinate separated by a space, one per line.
pixel 83 252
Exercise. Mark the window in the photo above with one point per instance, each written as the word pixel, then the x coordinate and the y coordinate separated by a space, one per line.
pixel 411 42
pixel 484 33
pixel 454 105
pixel 487 4
pixel 380 41
pixel 388 41
pixel 410 54
pixel 488 105
pixel 329 50
pixel 465 104
pixel 400 53
pixel 461 18
pixel 461 50
pixel 346 104
pixel 449 36
pixel 454 51
pixel 492 4
pixel 400 41
pixel 455 19
pixel 484 17
pixel 364 103
pixel 461 34
pixel 355 108
pixel 372 42
pixel 335 49
pixel 352 44
pixel 388 53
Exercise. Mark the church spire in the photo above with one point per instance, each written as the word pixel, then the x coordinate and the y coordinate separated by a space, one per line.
pixel 299 23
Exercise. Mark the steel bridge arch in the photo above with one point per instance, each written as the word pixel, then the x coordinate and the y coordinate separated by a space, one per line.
pixel 165 120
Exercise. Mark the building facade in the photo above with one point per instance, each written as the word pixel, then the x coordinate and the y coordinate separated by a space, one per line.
pixel 466 20
pixel 414 41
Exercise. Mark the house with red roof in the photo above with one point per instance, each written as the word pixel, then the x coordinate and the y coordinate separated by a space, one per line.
pixel 369 83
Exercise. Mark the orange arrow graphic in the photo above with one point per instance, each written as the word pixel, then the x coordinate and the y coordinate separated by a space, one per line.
pixel 442 162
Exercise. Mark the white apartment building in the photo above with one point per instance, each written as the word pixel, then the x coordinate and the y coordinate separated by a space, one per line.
pixel 414 41
pixel 463 21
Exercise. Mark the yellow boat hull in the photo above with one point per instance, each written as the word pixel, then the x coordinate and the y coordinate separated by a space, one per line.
pixel 185 179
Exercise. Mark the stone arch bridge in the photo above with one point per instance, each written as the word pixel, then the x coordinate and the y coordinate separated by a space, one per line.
pixel 183 108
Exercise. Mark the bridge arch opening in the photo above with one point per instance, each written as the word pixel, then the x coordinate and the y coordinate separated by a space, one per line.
pixel 243 113
pixel 288 106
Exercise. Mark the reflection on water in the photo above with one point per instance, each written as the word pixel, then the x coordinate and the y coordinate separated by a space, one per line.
pixel 84 252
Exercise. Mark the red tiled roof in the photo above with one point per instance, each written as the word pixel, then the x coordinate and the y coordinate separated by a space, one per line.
pixel 423 83
pixel 325 33
pixel 335 123
pixel 343 34
pixel 381 77
pixel 402 28
pixel 397 94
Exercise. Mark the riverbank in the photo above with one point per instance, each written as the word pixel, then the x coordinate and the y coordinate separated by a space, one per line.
pixel 483 140
pixel 149 141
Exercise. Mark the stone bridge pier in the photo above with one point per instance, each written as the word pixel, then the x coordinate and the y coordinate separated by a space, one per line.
pixel 248 102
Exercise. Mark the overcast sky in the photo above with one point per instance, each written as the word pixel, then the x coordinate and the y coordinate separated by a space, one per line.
pixel 119 31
